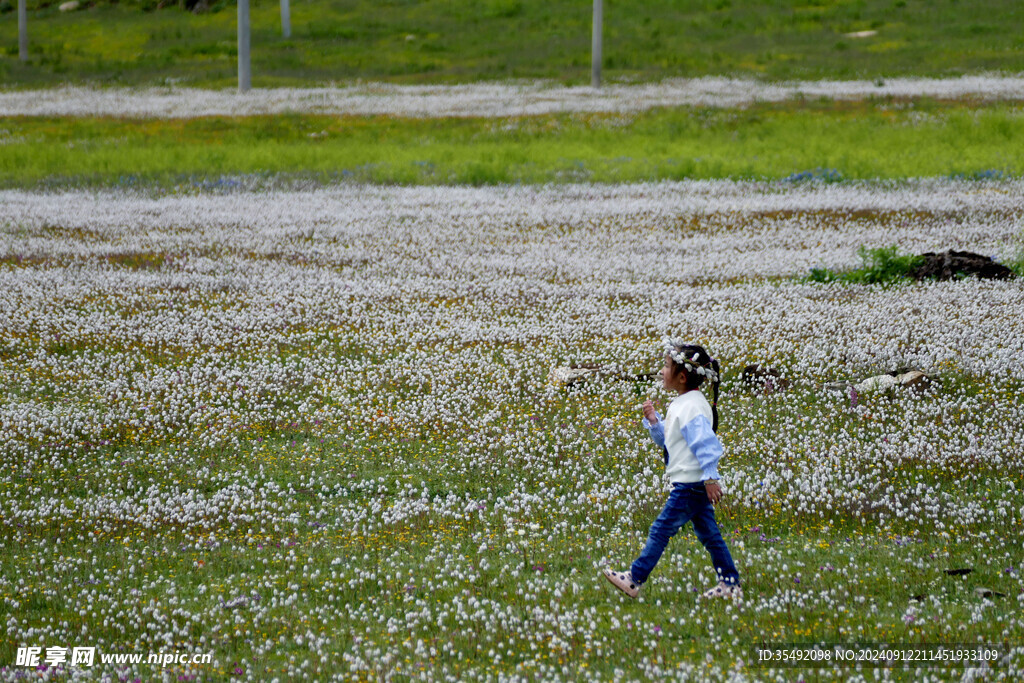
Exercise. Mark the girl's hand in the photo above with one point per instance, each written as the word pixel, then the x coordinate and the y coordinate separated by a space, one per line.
pixel 650 413
pixel 713 490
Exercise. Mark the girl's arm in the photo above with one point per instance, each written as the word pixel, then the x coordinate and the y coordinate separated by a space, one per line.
pixel 655 427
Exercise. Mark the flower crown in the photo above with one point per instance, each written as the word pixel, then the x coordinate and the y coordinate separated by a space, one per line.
pixel 692 363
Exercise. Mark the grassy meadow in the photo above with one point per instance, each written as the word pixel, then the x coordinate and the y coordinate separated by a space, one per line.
pixel 133 43
pixel 886 139
pixel 283 389
pixel 317 434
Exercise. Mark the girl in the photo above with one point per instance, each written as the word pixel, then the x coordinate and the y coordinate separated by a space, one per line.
pixel 691 448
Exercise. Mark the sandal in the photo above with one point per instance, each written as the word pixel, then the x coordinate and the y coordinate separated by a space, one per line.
pixel 623 581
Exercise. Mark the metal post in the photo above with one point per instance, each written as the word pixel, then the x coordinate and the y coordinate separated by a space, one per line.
pixel 244 72
pixel 595 58
pixel 22 30
pixel 286 19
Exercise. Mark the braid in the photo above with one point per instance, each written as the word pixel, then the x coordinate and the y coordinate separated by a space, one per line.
pixel 715 384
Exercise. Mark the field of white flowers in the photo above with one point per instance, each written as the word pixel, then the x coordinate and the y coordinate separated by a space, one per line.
pixel 501 100
pixel 314 433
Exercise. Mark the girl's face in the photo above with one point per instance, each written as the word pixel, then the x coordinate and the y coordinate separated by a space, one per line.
pixel 675 381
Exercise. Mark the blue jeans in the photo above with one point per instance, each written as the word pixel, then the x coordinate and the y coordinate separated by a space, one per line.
pixel 686 503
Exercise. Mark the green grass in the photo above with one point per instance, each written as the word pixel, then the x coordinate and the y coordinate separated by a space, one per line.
pixel 796 140
pixel 470 40
pixel 1016 263
pixel 887 264
pixel 334 525
pixel 223 573
pixel 881 265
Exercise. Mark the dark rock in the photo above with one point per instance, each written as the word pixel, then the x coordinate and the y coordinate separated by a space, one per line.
pixel 952 264
pixel 959 572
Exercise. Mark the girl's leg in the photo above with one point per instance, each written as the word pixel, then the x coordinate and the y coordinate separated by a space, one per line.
pixel 671 519
pixel 709 535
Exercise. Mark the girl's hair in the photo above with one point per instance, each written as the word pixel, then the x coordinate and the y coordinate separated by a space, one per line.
pixel 698 366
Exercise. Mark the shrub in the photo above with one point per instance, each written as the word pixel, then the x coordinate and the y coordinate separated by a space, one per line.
pixel 823 275
pixel 883 264
pixel 1016 262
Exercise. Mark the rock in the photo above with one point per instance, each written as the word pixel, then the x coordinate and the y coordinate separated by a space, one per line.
pixel 910 379
pixel 567 377
pixel 915 379
pixel 876 383
pixel 69 6
pixel 988 593
pixel 757 376
pixel 951 264
pixel 572 375
pixel 959 571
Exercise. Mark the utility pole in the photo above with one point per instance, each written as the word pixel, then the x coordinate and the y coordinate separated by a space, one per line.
pixel 22 30
pixel 286 19
pixel 244 72
pixel 595 57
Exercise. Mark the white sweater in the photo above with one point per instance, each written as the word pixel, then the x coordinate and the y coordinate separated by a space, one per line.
pixel 691 446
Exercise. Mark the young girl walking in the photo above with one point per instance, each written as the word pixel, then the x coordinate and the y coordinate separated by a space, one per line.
pixel 687 437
